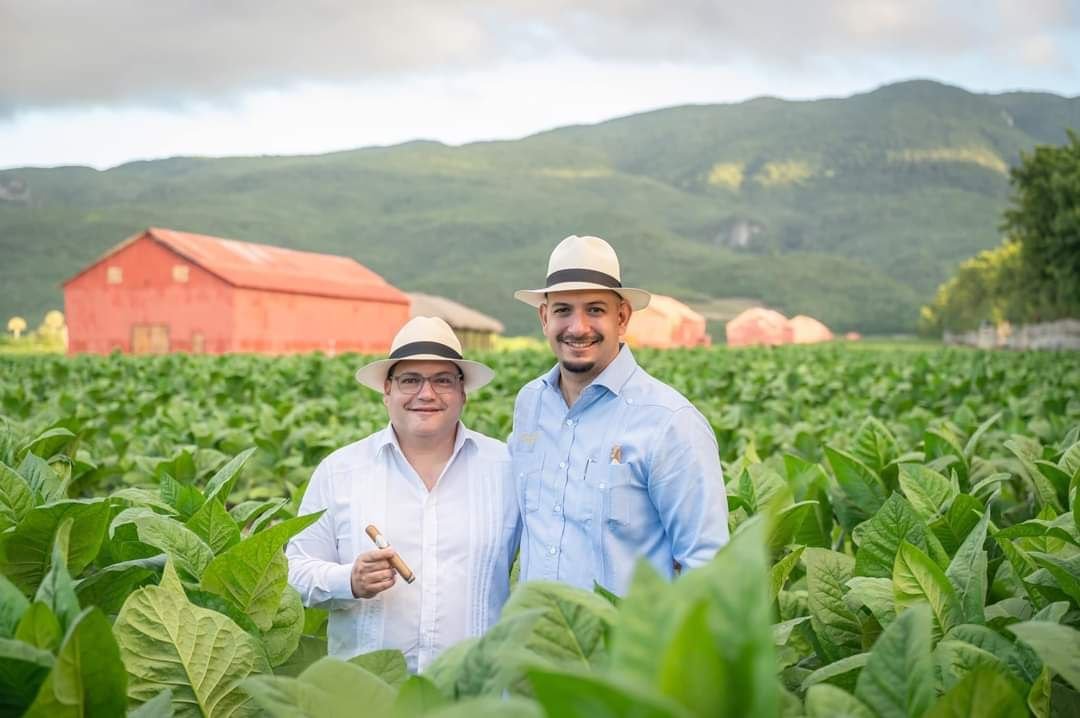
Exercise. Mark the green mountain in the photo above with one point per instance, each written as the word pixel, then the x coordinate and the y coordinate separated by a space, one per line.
pixel 852 210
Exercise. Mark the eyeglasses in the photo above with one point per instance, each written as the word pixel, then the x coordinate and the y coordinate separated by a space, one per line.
pixel 445 383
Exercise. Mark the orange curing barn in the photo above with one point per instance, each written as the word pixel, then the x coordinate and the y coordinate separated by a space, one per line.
pixel 162 291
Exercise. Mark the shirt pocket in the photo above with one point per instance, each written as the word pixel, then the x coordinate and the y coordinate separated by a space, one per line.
pixel 528 477
pixel 619 493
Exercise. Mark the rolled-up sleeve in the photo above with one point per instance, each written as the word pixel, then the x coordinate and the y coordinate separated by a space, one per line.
pixel 686 485
pixel 314 568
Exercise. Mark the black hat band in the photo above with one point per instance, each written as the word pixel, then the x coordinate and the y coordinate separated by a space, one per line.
pixel 583 275
pixel 413 348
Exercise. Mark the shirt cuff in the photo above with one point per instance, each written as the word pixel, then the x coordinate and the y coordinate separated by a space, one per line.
pixel 339 581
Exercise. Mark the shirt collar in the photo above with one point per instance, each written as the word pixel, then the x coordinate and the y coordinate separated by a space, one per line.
pixel 613 377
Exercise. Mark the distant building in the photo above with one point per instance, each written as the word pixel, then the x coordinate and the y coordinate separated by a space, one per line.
pixel 476 331
pixel 765 326
pixel 666 323
pixel 758 326
pixel 163 291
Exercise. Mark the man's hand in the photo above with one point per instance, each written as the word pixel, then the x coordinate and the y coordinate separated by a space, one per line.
pixel 372 573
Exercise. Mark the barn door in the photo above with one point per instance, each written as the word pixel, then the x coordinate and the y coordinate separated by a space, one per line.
pixel 149 339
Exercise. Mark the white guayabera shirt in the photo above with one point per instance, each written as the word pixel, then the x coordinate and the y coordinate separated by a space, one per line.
pixel 459 539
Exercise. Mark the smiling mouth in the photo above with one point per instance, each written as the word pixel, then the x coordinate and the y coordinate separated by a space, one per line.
pixel 580 343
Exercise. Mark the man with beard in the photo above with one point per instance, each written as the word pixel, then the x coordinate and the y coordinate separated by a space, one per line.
pixel 439 491
pixel 611 464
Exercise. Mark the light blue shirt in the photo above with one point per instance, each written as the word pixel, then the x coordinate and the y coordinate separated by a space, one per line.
pixel 631 470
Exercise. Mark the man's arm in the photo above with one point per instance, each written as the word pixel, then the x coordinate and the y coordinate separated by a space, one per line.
pixel 314 570
pixel 687 488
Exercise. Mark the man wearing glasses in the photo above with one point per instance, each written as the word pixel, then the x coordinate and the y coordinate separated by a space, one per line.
pixel 440 492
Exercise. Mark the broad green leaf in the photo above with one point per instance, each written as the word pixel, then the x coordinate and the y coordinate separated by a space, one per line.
pixel 973 440
pixel 160 706
pixel 572 627
pixel 40 628
pixel 989 482
pixel 388 665
pixel 497 661
pixel 828 701
pixel 221 484
pixel 787 523
pixel 1039 697
pixel 927 490
pixel 45 485
pixel 283 637
pixel 25 552
pixel 184 498
pixel 706 688
pixel 1070 460
pixel 13 605
pixel 983 693
pixel 445 670
pixel 15 497
pixel 330 688
pixel 782 631
pixel 254 572
pixel 836 627
pixel 898 679
pixel 88 678
pixel 876 594
pixel 640 631
pixel 48 443
pixel 489 707
pixel 952 528
pixel 57 590
pixel 1066 572
pixel 1021 661
pixel 842 673
pixel 166 641
pixel 1045 494
pixel 862 491
pixel 23 668
pixel 584 696
pixel 881 536
pixel 1058 646
pixel 917 578
pixel 213 525
pixel 417 696
pixel 941 443
pixel 968 572
pixel 874 445
pixel 780 571
pixel 168 535
pixel 956 659
pixel 109 587
pixel 1057 478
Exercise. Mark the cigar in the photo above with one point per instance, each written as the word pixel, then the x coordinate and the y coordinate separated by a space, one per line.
pixel 400 566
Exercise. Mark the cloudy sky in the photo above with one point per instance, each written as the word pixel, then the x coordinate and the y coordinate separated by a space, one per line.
pixel 102 82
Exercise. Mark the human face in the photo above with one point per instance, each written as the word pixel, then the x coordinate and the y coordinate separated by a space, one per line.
pixel 426 415
pixel 584 328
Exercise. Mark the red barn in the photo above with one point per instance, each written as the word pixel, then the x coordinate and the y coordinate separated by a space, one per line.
pixel 161 291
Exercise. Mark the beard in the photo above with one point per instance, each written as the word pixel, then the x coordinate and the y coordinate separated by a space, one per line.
pixel 578 367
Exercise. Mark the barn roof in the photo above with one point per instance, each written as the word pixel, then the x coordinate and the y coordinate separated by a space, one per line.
pixel 262 266
pixel 458 316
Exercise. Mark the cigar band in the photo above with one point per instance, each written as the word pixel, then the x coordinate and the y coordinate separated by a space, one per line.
pixel 381 541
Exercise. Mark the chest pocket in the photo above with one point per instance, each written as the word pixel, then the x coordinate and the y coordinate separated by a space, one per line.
pixel 528 473
pixel 621 498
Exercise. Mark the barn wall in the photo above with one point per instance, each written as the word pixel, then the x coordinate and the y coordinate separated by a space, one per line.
pixel 101 316
pixel 283 323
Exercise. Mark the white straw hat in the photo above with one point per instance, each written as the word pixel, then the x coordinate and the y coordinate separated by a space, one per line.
pixel 579 263
pixel 424 339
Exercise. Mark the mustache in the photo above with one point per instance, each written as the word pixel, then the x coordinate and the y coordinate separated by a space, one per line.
pixel 565 337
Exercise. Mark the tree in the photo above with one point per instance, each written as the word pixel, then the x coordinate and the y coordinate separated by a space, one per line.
pixel 1045 220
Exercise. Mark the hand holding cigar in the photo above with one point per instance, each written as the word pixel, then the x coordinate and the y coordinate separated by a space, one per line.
pixel 395 561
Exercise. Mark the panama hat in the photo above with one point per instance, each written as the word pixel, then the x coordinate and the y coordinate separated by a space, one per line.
pixel 579 263
pixel 424 339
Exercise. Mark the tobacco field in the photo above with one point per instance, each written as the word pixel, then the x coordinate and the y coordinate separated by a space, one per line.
pixel 905 542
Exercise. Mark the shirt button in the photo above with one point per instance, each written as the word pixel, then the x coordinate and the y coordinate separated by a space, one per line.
pixel 562 464
pixel 602 486
pixel 629 401
pixel 570 422
pixel 553 550
pixel 558 508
